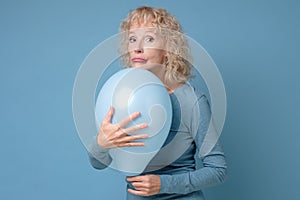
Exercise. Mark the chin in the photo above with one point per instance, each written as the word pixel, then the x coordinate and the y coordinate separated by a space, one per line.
pixel 138 65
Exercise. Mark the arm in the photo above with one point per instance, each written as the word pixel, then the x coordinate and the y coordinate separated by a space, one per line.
pixel 113 136
pixel 214 166
pixel 98 156
pixel 212 173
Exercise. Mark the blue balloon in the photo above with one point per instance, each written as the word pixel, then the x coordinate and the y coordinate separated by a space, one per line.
pixel 136 90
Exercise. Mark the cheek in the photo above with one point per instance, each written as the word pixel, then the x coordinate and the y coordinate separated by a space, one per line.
pixel 156 56
pixel 131 54
pixel 130 48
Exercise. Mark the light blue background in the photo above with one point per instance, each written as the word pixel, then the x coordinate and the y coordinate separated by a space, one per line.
pixel 254 43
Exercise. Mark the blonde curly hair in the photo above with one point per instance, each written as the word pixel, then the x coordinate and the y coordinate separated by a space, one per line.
pixel 177 50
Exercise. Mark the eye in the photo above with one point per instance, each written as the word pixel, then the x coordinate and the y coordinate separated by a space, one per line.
pixel 132 39
pixel 149 39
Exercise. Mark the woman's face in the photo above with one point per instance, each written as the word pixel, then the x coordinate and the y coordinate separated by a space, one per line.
pixel 145 47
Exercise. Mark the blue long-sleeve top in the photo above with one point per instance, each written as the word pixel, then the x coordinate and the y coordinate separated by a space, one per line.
pixel 182 168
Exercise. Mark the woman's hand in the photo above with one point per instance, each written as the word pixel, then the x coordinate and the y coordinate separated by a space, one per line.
pixel 145 185
pixel 116 135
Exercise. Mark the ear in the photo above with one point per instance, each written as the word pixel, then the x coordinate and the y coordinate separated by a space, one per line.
pixel 166 58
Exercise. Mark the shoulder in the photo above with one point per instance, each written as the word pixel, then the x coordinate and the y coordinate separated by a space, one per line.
pixel 188 95
pixel 187 103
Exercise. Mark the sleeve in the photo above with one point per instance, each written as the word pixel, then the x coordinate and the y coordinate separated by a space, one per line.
pixel 214 167
pixel 98 156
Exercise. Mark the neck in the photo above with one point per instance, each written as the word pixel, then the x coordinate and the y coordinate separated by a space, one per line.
pixel 172 87
pixel 160 72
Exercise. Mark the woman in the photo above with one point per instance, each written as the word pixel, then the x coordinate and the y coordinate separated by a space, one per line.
pixel 153 41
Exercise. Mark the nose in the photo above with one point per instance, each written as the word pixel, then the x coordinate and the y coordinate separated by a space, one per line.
pixel 138 50
pixel 139 47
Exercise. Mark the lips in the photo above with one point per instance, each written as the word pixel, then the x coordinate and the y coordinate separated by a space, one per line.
pixel 139 60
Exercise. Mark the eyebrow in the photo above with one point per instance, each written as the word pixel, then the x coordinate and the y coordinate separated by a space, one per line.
pixel 154 32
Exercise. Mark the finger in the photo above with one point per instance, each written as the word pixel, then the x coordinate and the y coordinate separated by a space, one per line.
pixel 135 178
pixel 131 138
pixel 141 189
pixel 128 119
pixel 123 133
pixel 109 115
pixel 140 185
pixel 135 128
pixel 131 144
pixel 137 192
